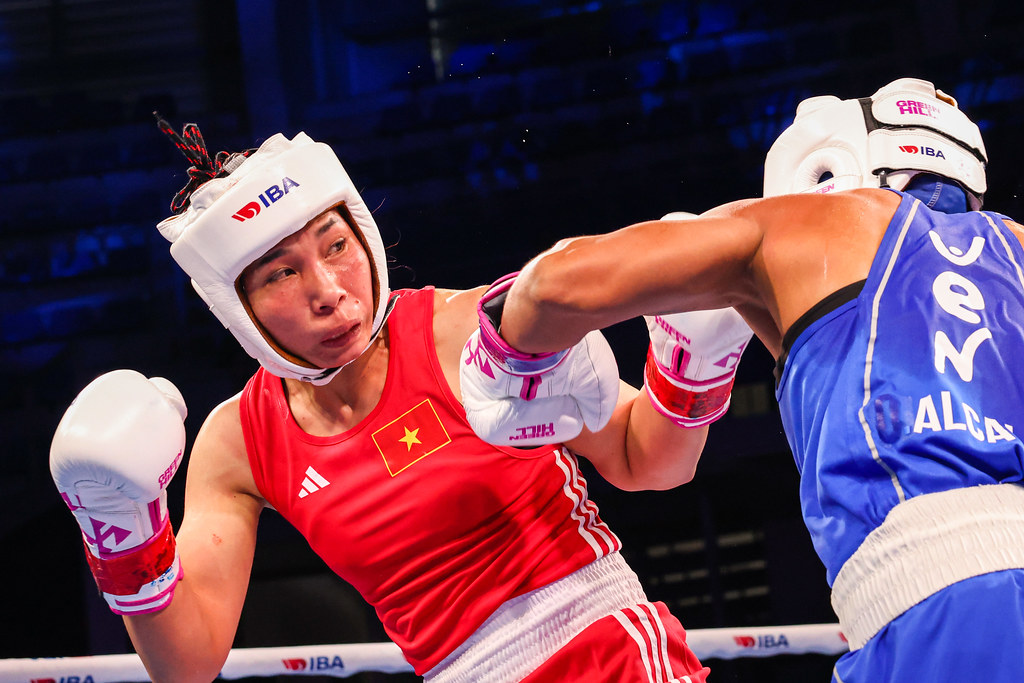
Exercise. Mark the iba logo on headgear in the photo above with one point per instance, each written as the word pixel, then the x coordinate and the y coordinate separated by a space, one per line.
pixel 927 151
pixel 267 197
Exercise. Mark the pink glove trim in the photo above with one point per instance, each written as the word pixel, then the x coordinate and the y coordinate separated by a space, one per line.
pixel 515 362
pixel 126 573
pixel 686 407
pixel 144 606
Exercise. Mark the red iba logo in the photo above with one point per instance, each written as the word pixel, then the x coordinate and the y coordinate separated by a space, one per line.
pixel 267 197
pixel 927 151
pixel 765 642
pixel 314 664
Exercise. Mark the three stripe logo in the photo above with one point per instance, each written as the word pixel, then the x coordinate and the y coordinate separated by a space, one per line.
pixel 313 482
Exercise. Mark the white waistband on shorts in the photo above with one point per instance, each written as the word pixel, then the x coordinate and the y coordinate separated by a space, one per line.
pixel 924 545
pixel 526 630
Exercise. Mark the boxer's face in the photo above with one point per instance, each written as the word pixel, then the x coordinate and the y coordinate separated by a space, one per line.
pixel 313 294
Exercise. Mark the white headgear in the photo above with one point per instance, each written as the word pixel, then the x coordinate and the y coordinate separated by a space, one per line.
pixel 905 128
pixel 233 220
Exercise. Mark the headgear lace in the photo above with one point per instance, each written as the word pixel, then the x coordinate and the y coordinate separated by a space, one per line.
pixel 204 168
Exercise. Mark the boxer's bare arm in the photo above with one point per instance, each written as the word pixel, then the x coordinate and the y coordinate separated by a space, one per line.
pixel 1017 229
pixel 640 449
pixel 653 267
pixel 190 639
pixel 770 259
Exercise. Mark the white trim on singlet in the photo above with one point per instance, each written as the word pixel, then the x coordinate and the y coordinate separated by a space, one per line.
pixel 594 531
pixel 875 303
pixel 924 545
pixel 1006 245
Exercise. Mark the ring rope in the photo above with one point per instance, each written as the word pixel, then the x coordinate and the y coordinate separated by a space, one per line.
pixel 342 661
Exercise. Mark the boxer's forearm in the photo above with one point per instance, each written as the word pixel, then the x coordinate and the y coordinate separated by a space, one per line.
pixel 190 639
pixel 562 295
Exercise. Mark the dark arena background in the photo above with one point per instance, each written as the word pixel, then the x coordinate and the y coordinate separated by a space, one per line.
pixel 480 132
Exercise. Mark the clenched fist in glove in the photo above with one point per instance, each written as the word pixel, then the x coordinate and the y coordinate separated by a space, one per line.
pixel 523 399
pixel 112 457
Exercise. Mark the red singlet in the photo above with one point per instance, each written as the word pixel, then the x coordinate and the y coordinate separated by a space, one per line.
pixel 434 527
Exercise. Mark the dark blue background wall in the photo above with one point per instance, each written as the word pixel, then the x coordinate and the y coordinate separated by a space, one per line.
pixel 481 132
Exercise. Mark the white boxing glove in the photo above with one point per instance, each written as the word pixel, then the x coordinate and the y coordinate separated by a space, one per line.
pixel 691 363
pixel 112 457
pixel 522 399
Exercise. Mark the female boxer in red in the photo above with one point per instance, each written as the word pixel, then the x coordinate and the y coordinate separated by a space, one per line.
pixel 484 563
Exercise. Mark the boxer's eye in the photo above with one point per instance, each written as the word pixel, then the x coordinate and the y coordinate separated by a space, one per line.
pixel 337 245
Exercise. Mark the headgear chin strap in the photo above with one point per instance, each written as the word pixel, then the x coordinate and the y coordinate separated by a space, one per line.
pixel 234 219
pixel 905 128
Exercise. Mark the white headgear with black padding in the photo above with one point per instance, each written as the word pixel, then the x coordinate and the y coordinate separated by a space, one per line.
pixel 905 128
pixel 233 220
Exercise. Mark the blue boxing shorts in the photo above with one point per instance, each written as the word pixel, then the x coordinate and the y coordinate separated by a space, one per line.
pixel 971 631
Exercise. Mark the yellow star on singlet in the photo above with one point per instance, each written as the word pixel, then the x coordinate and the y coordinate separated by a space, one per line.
pixel 410 438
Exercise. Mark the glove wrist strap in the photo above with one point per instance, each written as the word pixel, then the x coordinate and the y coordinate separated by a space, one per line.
pixel 515 362
pixel 687 403
pixel 147 573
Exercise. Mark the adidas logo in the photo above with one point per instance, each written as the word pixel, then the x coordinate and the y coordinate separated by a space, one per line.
pixel 313 482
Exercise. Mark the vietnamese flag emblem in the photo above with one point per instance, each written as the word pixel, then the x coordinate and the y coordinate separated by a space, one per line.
pixel 413 435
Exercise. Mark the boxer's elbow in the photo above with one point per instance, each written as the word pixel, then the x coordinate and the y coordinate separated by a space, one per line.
pixel 182 673
pixel 661 478
pixel 182 643
pixel 191 666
